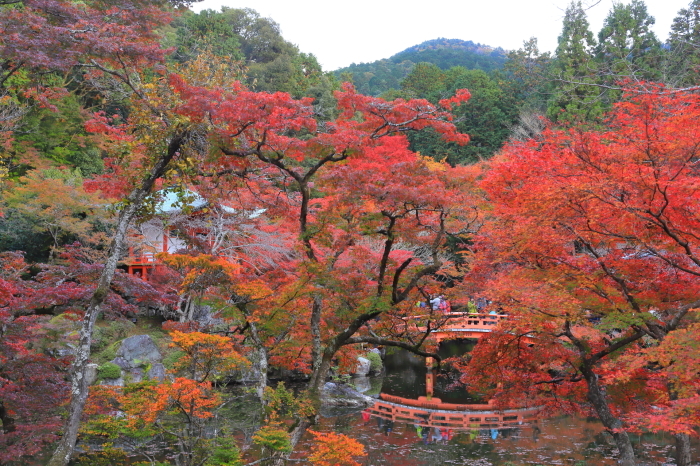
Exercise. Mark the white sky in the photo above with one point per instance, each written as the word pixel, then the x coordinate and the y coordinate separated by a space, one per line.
pixel 339 33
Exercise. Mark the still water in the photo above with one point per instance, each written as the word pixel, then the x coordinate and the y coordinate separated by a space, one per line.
pixel 525 440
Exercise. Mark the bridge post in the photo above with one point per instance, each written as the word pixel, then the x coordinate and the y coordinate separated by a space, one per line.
pixel 429 377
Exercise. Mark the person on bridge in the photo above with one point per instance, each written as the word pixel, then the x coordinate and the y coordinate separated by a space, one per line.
pixel 444 305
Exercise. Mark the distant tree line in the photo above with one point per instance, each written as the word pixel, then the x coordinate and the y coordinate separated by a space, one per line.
pixel 512 92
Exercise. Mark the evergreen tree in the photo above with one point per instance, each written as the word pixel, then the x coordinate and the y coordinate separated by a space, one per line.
pixel 529 71
pixel 684 44
pixel 486 117
pixel 627 45
pixel 577 98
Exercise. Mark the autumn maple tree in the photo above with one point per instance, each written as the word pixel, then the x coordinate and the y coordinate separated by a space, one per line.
pixel 331 449
pixel 593 250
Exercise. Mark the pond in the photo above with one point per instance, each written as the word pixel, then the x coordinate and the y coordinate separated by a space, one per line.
pixel 432 437
pixel 400 431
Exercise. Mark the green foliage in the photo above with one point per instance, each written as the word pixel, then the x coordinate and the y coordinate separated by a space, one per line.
pixel 486 117
pixel 375 361
pixel 53 202
pixel 577 98
pixel 273 63
pixel 109 370
pixel 425 81
pixel 273 438
pixel 280 402
pixel 19 232
pixel 207 29
pixel 683 41
pixel 59 135
pixel 171 359
pixel 109 456
pixel 105 335
pixel 225 453
pixel 528 71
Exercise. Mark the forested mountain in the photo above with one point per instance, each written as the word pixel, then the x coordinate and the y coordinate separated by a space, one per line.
pixel 378 77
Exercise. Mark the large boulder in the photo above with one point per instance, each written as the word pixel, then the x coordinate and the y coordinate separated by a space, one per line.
pixel 139 350
pixel 157 372
pixel 363 367
pixel 138 357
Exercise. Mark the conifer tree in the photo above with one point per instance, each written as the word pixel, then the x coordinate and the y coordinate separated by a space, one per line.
pixel 577 98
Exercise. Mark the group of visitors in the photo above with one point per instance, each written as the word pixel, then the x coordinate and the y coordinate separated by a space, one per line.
pixel 437 303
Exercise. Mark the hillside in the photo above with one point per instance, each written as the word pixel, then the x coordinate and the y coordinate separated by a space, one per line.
pixel 379 76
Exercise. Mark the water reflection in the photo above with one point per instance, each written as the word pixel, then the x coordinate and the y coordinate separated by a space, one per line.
pixel 406 427
pixel 561 440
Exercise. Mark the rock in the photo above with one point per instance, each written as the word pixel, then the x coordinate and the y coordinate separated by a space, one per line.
pixel 114 382
pixel 121 362
pixel 91 373
pixel 286 374
pixel 333 394
pixel 363 367
pixel 135 375
pixel 133 356
pixel 139 350
pixel 250 374
pixel 157 372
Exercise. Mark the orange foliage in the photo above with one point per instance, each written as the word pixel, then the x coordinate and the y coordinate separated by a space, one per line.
pixel 205 353
pixel 331 449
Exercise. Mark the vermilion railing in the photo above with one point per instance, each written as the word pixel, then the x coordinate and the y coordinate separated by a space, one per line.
pixel 434 413
pixel 453 322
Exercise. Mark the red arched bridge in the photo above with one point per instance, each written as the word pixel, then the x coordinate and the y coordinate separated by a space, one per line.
pixel 458 325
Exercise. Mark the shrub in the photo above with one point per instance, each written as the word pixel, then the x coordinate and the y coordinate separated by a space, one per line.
pixel 225 453
pixel 375 362
pixel 273 438
pixel 109 370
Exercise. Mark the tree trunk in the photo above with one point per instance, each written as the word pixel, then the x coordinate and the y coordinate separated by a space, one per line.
pixel 262 380
pixel 614 425
pixel 261 362
pixel 682 449
pixel 79 385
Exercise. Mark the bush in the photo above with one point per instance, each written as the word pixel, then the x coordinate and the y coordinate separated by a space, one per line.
pixel 109 370
pixel 375 362
pixel 275 439
pixel 226 453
